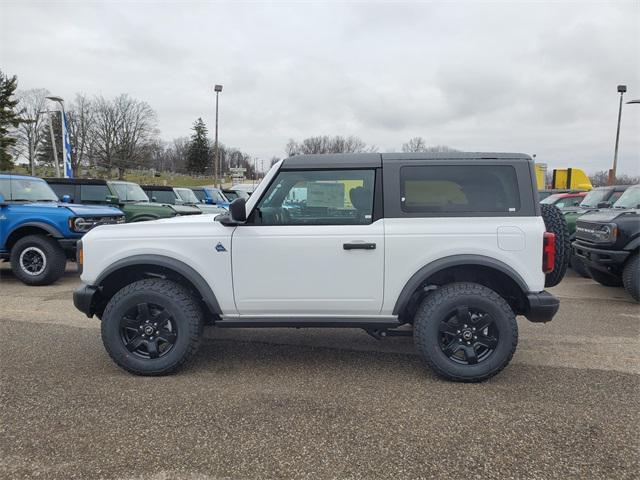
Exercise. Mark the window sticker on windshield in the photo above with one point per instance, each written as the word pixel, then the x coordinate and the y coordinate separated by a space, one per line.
pixel 329 195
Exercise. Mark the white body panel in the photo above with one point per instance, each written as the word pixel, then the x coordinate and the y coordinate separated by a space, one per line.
pixel 412 243
pixel 190 239
pixel 304 269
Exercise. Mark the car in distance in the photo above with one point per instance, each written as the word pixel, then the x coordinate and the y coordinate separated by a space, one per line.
pixel 565 200
pixel 127 196
pixel 212 196
pixel 178 196
pixel 38 233
pixel 455 245
pixel 608 241
pixel 600 197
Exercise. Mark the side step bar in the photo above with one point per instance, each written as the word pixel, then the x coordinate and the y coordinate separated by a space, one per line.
pixel 371 323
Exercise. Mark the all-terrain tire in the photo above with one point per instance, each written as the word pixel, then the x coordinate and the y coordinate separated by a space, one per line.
pixel 181 309
pixel 631 276
pixel 38 260
pixel 606 279
pixel 555 223
pixel 579 267
pixel 438 306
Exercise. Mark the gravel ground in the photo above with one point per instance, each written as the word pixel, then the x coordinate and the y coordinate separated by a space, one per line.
pixel 315 404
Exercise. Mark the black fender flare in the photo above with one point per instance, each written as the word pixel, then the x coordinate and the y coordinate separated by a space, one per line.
pixel 169 263
pixel 632 245
pixel 452 261
pixel 50 229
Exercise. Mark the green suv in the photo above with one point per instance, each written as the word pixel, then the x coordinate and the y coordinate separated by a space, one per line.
pixel 127 196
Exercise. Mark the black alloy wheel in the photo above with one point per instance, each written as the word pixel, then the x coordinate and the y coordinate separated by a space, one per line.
pixel 468 335
pixel 148 331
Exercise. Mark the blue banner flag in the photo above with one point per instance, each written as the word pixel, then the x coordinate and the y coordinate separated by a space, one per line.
pixel 66 148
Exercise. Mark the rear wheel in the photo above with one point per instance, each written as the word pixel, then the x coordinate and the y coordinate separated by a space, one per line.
pixel 555 223
pixel 603 278
pixel 152 327
pixel 38 260
pixel 465 332
pixel 631 277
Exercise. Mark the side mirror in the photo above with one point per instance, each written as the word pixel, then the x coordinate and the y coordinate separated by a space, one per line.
pixel 238 210
pixel 112 199
pixel 209 201
pixel 604 205
pixel 2 202
pixel 154 199
pixel 66 199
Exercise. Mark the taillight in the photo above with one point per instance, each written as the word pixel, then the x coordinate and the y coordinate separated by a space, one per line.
pixel 548 252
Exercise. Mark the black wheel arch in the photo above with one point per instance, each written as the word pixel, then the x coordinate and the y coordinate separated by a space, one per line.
pixel 486 271
pixel 137 267
pixel 32 228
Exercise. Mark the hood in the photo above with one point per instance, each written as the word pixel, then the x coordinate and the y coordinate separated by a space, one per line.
pixel 91 210
pixel 186 210
pixel 607 215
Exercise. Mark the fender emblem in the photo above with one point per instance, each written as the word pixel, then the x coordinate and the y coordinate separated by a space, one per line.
pixel 220 248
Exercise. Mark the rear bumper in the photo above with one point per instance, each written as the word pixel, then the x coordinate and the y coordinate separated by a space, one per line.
pixel 542 306
pixel 599 258
pixel 84 299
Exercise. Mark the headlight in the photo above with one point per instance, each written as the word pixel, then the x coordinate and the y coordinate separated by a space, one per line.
pixel 83 225
pixel 606 233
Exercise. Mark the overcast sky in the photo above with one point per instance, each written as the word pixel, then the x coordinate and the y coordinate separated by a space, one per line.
pixel 532 77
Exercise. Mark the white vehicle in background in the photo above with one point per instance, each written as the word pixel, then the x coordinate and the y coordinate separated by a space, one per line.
pixel 453 245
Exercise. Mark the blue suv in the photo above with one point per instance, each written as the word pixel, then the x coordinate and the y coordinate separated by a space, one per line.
pixel 211 196
pixel 38 233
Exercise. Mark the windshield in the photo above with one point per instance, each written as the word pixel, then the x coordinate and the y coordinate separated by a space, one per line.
pixel 187 195
pixel 129 192
pixel 629 199
pixel 594 197
pixel 26 189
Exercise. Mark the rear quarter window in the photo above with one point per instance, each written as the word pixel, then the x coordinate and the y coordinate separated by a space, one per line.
pixel 473 189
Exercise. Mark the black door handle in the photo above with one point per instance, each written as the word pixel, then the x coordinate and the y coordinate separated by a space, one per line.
pixel 359 246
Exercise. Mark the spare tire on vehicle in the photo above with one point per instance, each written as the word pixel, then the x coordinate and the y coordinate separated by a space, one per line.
pixel 555 223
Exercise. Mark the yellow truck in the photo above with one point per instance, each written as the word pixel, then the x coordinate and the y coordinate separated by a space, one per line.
pixel 562 179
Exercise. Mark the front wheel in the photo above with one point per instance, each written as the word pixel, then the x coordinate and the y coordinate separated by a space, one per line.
pixel 152 327
pixel 38 260
pixel 631 277
pixel 465 332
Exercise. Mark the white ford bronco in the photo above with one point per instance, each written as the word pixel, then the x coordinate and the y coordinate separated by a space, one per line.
pixel 452 245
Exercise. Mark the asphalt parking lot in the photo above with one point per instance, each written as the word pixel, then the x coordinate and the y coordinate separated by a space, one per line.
pixel 318 403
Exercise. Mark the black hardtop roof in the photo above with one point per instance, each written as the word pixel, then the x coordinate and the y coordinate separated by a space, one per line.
pixel 616 188
pixel 165 188
pixel 77 181
pixel 372 160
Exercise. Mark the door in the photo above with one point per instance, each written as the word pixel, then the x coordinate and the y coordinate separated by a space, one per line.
pixel 313 245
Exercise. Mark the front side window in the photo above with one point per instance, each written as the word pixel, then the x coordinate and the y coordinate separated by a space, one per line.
pixel 461 189
pixel 187 195
pixel 318 197
pixel 162 196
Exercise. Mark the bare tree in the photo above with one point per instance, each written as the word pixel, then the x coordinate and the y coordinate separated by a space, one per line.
pixel 31 105
pixel 124 130
pixel 80 117
pixel 416 144
pixel 419 144
pixel 327 144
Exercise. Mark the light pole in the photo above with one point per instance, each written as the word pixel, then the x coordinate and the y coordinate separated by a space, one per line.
pixel 612 174
pixel 63 128
pixel 217 89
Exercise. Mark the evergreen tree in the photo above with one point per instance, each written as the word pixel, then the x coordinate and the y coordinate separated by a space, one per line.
pixel 8 119
pixel 198 156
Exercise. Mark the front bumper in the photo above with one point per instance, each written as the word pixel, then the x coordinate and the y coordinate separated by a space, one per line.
pixel 84 299
pixel 599 258
pixel 542 306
